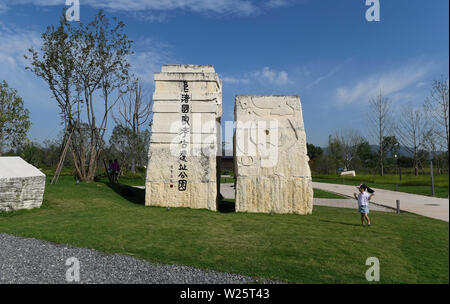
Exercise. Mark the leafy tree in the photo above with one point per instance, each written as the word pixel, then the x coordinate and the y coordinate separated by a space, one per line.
pixel 127 146
pixel 52 151
pixel 32 153
pixel 405 161
pixel 86 69
pixel 343 147
pixel 44 154
pixel 314 151
pixel 391 146
pixel 365 155
pixel 323 164
pixel 335 152
pixel 14 118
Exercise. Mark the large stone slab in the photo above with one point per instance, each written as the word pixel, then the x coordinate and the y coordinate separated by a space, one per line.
pixel 21 184
pixel 271 164
pixel 183 161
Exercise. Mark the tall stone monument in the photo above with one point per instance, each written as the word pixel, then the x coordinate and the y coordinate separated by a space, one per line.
pixel 21 184
pixel 271 164
pixel 183 161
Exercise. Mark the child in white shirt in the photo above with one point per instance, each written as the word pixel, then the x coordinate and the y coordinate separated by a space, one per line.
pixel 363 199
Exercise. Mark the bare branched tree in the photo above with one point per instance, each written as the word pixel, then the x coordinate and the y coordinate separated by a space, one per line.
pixel 133 113
pixel 380 123
pixel 411 128
pixel 430 143
pixel 349 140
pixel 437 107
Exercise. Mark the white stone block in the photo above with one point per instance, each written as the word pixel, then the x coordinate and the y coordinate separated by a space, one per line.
pixel 21 184
pixel 348 173
pixel 271 164
pixel 197 187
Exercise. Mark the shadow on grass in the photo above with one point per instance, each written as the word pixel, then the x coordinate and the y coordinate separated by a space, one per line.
pixel 131 194
pixel 137 196
pixel 226 206
pixel 341 223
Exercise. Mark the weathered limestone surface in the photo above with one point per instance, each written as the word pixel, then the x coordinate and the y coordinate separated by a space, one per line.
pixel 202 141
pixel 276 177
pixel 21 184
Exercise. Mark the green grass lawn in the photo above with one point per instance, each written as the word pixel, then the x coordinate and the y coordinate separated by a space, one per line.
pixel 324 194
pixel 409 183
pixel 225 180
pixel 328 246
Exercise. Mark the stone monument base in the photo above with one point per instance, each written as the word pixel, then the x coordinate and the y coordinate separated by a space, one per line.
pixel 266 194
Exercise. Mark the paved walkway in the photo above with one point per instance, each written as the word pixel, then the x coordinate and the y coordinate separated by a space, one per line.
pixel 433 207
pixel 437 208
pixel 227 190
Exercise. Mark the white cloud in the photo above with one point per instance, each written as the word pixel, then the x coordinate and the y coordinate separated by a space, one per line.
pixel 421 84
pixel 279 3
pixel 265 76
pixel 145 64
pixel 390 82
pixel 149 56
pixel 234 80
pixel 3 7
pixel 151 17
pixel 331 73
pixel 14 44
pixel 240 7
pixel 271 76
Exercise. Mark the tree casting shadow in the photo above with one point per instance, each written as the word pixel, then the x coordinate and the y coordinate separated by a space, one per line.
pixel 137 196
pixel 131 194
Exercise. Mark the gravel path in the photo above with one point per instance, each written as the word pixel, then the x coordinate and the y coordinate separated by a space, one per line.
pixel 26 260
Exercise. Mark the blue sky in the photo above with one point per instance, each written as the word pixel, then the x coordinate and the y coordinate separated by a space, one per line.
pixel 325 51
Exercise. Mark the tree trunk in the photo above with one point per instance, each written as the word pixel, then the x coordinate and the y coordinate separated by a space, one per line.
pixel 92 163
pixel 79 160
pixel 133 164
pixel 381 162
pixel 446 119
pixel 416 163
pixel 381 148
pixel 77 166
